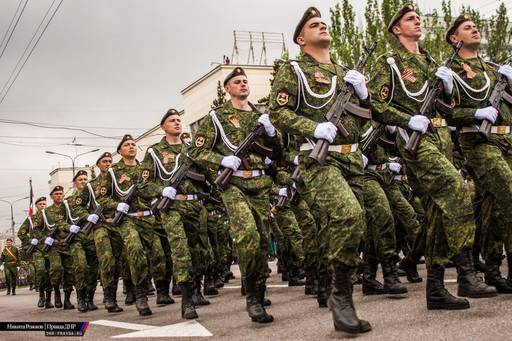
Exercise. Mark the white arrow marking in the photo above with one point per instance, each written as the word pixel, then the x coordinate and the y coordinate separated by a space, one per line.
pixel 184 329
pixel 268 286
pixel 124 325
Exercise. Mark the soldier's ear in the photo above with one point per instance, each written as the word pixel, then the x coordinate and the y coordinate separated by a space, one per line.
pixel 396 30
pixel 300 40
pixel 454 39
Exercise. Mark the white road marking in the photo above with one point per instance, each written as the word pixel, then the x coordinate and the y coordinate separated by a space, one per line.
pixel 183 329
pixel 268 286
pixel 124 325
pixel 454 280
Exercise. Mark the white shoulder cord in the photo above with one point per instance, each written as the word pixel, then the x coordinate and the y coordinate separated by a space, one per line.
pixel 225 139
pixel 68 211
pixel 367 132
pixel 465 86
pixel 412 95
pixel 160 168
pixel 118 190
pixel 45 219
pixel 304 85
pixel 91 195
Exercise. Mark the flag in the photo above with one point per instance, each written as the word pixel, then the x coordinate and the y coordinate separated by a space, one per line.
pixel 31 199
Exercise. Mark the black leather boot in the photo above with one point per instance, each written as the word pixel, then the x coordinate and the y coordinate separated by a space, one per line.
pixel 509 263
pixel 13 290
pixel 321 298
pixel 209 285
pixel 469 284
pixel 67 303
pixel 141 299
pixel 437 296
pixel 310 285
pixel 261 290
pixel 40 303
pixel 410 266
pixel 256 311
pixel 477 264
pixel 58 300
pixel 341 304
pixel 197 296
pixel 176 291
pixel 493 274
pixel 162 293
pixel 48 300
pixel 188 311
pixel 110 300
pixel 80 301
pixel 294 279
pixel 218 280
pixel 89 299
pixel 370 284
pixel 130 292
pixel 8 288
pixel 392 285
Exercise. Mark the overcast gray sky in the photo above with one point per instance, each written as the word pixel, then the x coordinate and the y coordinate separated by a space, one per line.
pixel 119 64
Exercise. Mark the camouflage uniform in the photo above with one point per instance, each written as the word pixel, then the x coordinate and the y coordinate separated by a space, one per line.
pixel 10 260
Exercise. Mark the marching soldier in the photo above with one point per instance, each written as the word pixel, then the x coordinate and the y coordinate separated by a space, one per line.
pixel 399 87
pixel 488 158
pixel 10 261
pixel 302 93
pixel 246 197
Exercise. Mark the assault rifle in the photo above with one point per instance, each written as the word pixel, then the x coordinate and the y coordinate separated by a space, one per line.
pixel 88 226
pixel 292 191
pixel 130 196
pixel 341 107
pixel 53 235
pixel 432 102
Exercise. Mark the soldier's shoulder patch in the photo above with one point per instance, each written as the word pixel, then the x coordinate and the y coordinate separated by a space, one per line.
pixel 78 201
pixel 282 97
pixel 200 139
pixel 384 92
pixel 23 232
pixel 103 190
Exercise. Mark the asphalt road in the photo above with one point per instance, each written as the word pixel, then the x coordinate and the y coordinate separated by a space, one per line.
pixel 297 317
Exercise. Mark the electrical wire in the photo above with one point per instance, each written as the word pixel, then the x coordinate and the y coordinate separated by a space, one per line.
pixel 13 27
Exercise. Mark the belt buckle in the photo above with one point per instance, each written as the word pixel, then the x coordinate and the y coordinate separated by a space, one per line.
pixel 403 177
pixel 345 148
pixel 181 197
pixel 140 214
pixel 378 167
pixel 501 130
pixel 437 122
pixel 247 174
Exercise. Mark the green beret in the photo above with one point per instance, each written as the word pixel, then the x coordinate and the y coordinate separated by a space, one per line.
pixel 238 71
pixel 40 199
pixel 459 21
pixel 79 173
pixel 57 189
pixel 106 154
pixel 398 15
pixel 311 12
pixel 169 112
pixel 127 137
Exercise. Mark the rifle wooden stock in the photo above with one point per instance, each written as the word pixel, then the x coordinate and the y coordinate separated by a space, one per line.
pixel 431 103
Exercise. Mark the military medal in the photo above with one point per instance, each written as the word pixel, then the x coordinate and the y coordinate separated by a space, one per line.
pixel 469 72
pixel 408 75
pixel 168 157
pixel 233 119
pixel 320 78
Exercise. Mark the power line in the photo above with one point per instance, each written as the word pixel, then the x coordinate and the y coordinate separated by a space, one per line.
pixel 31 50
pixel 13 27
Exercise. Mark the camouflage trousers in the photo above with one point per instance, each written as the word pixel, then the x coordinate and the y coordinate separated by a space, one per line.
pixel 85 264
pixel 334 195
pixel 61 267
pixel 11 274
pixel 185 224
pixel 292 234
pixel 448 211
pixel 109 246
pixel 32 278
pixel 247 203
pixel 380 237
pixel 145 256
pixel 218 235
pixel 42 266
pixel 492 172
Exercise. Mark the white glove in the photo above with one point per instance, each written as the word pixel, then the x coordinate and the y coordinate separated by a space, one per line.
pixel 74 229
pixel 445 74
pixel 169 192
pixel 419 123
pixel 365 161
pixel 296 160
pixel 2 267
pixel 267 161
pixel 325 131
pixel 391 129
pixel 231 161
pixel 123 207
pixel 506 70
pixel 487 113
pixel 395 167
pixel 358 81
pixel 283 192
pixel 269 128
pixel 49 241
pixel 34 241
pixel 93 218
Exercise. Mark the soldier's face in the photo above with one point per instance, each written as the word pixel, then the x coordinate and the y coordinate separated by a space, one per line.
pixel 467 32
pixel 81 181
pixel 9 243
pixel 41 205
pixel 57 197
pixel 128 149
pixel 314 33
pixel 172 125
pixel 409 27
pixel 104 164
pixel 238 87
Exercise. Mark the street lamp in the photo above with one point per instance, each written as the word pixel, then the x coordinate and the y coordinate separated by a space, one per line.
pixel 11 203
pixel 72 158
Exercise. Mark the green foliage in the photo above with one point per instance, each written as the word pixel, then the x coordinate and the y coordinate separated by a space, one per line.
pixel 221 96
pixel 498 36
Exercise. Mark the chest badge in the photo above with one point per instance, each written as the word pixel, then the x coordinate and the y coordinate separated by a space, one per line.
pixel 233 119
pixel 384 92
pixel 199 141
pixel 145 174
pixel 321 78
pixel 78 201
pixel 470 74
pixel 282 97
pixel 168 157
pixel 408 75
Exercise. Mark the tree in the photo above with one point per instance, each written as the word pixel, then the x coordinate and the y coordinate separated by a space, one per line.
pixel 346 47
pixel 498 36
pixel 221 96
